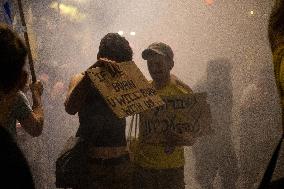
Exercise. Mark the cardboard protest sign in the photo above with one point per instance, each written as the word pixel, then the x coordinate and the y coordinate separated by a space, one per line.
pixel 127 93
pixel 177 122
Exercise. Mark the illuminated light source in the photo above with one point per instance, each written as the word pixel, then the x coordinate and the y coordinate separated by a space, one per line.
pixel 71 11
pixel 251 12
pixel 209 2
pixel 132 33
pixel 120 32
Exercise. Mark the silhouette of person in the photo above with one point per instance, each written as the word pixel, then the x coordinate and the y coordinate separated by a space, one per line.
pixel 215 153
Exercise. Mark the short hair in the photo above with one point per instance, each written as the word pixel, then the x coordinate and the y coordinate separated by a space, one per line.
pixel 13 55
pixel 115 47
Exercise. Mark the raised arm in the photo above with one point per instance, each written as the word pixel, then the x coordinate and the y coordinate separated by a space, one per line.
pixel 33 121
pixel 76 94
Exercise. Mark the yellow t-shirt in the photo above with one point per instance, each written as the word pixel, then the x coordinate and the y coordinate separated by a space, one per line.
pixel 154 156
pixel 278 61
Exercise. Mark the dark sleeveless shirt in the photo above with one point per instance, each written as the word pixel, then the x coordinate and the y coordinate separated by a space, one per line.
pixel 98 124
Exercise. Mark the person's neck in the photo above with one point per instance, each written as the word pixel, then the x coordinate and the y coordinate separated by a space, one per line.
pixel 159 84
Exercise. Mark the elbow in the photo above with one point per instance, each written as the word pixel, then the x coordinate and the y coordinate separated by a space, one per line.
pixel 36 132
pixel 70 110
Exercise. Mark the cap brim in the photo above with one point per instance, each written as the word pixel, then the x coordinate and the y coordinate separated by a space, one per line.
pixel 147 53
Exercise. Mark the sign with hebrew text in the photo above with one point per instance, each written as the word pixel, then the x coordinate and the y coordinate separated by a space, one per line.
pixel 178 122
pixel 128 92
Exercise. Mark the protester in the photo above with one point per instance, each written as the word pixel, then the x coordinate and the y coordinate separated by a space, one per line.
pixel 276 38
pixel 215 153
pixel 14 104
pixel 102 158
pixel 13 78
pixel 257 108
pixel 161 166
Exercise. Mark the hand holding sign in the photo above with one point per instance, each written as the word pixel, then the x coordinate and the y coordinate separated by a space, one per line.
pixel 111 66
pixel 178 123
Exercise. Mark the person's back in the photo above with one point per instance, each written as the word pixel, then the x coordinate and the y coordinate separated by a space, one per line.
pixel 101 132
pixel 98 124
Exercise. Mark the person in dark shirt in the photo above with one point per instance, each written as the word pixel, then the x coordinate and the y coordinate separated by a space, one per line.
pixel 107 164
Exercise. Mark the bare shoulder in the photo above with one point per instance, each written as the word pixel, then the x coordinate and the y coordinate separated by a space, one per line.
pixel 177 81
pixel 76 79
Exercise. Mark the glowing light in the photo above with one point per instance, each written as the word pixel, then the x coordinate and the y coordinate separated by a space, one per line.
pixel 209 2
pixel 251 12
pixel 71 11
pixel 132 33
pixel 120 32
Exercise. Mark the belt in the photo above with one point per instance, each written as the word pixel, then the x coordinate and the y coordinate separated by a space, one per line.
pixel 112 161
pixel 107 152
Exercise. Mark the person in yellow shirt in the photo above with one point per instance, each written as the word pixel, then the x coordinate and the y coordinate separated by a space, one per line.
pixel 276 37
pixel 161 166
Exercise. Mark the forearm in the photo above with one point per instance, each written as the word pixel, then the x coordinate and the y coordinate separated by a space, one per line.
pixel 33 124
pixel 38 121
pixel 38 116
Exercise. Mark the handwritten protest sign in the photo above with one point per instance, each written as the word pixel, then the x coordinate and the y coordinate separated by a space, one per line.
pixel 177 122
pixel 128 93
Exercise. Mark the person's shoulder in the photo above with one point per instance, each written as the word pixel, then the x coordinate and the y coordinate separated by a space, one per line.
pixel 76 79
pixel 21 94
pixel 180 84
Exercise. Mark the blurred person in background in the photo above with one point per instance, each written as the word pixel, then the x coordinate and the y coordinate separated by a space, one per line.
pixel 161 166
pixel 57 123
pixel 259 121
pixel 215 154
pixel 15 106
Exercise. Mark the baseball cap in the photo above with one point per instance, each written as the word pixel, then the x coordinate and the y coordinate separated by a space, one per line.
pixel 158 48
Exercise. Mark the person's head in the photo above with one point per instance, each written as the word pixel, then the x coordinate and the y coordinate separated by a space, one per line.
pixel 13 55
pixel 160 61
pixel 219 73
pixel 115 47
pixel 276 23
